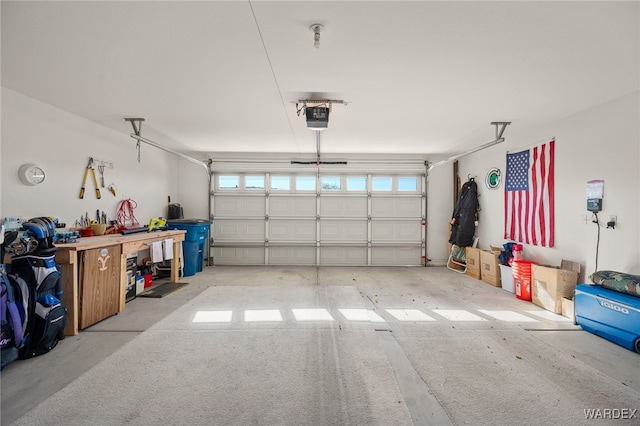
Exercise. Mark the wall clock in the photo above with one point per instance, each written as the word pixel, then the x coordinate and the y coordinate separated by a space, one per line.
pixel 493 178
pixel 30 174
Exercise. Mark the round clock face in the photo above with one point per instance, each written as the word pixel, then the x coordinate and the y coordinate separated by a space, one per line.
pixel 30 174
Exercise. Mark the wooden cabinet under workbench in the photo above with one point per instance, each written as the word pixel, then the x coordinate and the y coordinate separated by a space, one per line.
pixel 94 273
pixel 99 273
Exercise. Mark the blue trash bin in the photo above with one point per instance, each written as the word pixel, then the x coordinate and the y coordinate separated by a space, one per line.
pixel 194 244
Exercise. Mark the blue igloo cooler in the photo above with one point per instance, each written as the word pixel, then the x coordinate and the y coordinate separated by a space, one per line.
pixel 609 314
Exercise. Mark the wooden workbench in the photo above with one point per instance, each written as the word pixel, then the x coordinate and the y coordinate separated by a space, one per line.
pixel 68 255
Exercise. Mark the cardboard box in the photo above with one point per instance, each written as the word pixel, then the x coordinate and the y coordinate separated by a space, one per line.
pixel 496 250
pixel 568 309
pixel 473 262
pixel 549 284
pixel 489 271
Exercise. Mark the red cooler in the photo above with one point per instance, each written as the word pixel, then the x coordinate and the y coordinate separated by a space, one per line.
pixel 521 271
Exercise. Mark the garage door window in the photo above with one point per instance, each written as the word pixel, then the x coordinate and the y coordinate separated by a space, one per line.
pixel 408 184
pixel 280 183
pixel 229 182
pixel 381 184
pixel 306 183
pixel 331 183
pixel 356 183
pixel 253 182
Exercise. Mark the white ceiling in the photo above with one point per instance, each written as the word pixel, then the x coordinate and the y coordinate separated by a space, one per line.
pixel 419 77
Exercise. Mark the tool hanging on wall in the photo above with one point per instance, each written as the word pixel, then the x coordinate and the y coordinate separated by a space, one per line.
pixel 101 171
pixel 93 175
pixel 101 165
pixel 124 213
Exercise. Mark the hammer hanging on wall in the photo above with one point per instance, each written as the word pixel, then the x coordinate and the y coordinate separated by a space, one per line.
pixel 84 179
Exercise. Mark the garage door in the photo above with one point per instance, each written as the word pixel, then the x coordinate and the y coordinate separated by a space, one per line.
pixel 319 218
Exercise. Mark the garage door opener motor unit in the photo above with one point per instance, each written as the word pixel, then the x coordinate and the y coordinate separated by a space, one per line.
pixel 317 117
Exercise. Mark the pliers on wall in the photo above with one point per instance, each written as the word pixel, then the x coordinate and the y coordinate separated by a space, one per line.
pixel 95 181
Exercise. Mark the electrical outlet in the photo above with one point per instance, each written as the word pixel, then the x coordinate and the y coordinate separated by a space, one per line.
pixel 613 220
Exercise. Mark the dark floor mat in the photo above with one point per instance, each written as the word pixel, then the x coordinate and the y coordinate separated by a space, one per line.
pixel 162 290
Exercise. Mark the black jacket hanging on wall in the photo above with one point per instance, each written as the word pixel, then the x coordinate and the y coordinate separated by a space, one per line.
pixel 465 215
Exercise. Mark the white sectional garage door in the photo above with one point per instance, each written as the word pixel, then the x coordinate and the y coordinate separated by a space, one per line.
pixel 319 218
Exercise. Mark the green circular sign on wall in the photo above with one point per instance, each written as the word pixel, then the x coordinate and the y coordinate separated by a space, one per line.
pixel 493 178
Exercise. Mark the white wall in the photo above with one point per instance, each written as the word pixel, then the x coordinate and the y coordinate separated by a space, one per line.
pixel 440 204
pixel 193 188
pixel 61 143
pixel 600 143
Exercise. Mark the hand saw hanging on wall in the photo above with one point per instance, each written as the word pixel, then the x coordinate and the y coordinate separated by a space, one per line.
pixel 95 181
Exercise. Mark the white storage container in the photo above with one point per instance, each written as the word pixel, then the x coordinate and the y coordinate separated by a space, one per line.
pixel 507 278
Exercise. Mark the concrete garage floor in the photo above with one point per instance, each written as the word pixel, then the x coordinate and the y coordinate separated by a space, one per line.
pixel 393 346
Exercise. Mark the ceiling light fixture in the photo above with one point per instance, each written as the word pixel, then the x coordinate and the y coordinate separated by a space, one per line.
pixel 316 29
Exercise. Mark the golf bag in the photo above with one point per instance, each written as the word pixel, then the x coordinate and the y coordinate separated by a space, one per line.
pixel 37 287
pixel 11 322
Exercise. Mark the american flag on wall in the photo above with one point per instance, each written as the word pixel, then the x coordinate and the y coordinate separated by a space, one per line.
pixel 528 196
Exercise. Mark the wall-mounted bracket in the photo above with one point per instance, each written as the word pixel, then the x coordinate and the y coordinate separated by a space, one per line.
pixel 137 129
pixel 301 104
pixel 136 123
pixel 500 131
pixel 500 127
